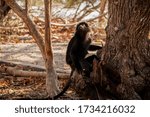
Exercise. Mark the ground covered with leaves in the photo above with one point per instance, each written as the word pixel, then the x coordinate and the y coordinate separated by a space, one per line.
pixel 28 88
pixel 12 87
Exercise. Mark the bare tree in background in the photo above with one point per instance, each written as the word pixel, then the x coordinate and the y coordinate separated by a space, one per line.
pixel 51 81
pixel 44 46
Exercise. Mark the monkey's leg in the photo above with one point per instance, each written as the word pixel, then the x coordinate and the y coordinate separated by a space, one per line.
pixel 87 65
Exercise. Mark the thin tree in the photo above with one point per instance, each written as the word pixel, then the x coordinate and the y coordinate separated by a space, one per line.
pixel 51 74
pixel 44 46
pixel 27 6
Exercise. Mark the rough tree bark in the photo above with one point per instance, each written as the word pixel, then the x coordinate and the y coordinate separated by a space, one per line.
pixel 45 47
pixel 127 48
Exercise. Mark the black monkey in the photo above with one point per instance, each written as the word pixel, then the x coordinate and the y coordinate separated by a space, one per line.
pixel 77 50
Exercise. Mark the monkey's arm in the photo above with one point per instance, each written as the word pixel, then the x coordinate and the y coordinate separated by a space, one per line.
pixel 77 63
pixel 94 47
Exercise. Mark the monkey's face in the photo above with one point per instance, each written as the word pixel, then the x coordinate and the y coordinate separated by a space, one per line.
pixel 88 38
pixel 83 28
pixel 83 31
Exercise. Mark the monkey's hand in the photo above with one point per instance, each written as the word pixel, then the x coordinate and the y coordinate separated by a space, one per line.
pixel 94 48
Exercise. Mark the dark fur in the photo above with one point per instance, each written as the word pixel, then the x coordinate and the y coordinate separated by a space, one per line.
pixel 77 50
pixel 78 47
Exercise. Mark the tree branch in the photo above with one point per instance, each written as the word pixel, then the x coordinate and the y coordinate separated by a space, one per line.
pixel 71 24
pixel 32 28
pixel 23 73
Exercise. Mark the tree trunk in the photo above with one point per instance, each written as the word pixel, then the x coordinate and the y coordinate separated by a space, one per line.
pixel 127 47
pixel 26 6
pixel 45 47
pixel 51 78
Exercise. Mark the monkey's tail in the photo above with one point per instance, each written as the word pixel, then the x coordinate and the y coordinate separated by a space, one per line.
pixel 63 91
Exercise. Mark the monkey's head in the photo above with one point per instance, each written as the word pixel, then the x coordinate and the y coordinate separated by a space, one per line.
pixel 83 30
